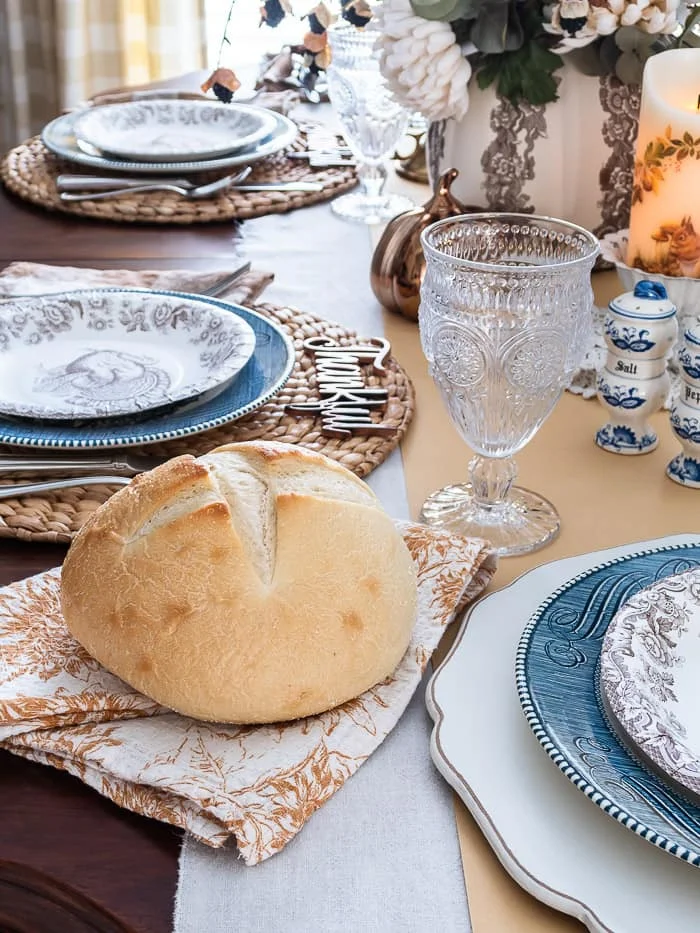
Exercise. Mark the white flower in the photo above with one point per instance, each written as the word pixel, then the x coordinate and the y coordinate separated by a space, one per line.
pixel 421 61
pixel 605 22
pixel 579 23
pixel 573 21
pixel 632 15
pixel 658 18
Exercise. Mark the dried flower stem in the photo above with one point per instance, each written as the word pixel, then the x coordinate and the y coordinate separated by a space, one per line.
pixel 224 38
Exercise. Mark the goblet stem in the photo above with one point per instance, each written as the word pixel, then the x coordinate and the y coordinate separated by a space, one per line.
pixel 512 519
pixel 372 179
pixel 491 481
pixel 370 205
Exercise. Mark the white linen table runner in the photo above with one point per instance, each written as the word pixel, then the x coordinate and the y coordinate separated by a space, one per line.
pixel 382 855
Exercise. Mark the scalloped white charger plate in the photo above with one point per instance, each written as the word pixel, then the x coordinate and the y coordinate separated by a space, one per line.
pixel 549 837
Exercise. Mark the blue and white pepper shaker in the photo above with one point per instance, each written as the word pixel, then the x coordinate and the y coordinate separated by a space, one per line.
pixel 640 330
pixel 685 414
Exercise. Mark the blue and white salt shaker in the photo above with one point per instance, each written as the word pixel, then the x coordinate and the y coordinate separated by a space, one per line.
pixel 640 331
pixel 685 414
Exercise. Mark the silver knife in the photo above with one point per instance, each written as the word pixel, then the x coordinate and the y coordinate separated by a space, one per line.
pixel 320 153
pixel 281 186
pixel 31 489
pixel 98 183
pixel 118 464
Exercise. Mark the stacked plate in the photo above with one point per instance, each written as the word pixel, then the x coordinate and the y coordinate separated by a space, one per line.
pixel 168 136
pixel 120 367
pixel 607 677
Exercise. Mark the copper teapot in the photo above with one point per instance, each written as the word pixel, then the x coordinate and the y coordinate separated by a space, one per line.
pixel 398 263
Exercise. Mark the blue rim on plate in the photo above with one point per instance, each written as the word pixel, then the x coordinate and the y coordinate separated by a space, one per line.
pixel 263 376
pixel 58 136
pixel 557 681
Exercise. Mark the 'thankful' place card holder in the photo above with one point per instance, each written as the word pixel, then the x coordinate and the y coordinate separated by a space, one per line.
pixel 346 400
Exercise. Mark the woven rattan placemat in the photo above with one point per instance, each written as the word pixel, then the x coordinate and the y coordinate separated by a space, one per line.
pixel 30 171
pixel 57 516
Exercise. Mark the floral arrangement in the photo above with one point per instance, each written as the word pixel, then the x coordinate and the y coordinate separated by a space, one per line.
pixel 431 48
pixel 313 50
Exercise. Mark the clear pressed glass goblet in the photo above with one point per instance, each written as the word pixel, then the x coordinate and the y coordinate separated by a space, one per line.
pixel 505 319
pixel 372 121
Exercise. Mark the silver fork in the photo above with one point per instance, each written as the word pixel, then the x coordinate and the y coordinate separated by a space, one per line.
pixel 109 183
pixel 201 191
pixel 192 194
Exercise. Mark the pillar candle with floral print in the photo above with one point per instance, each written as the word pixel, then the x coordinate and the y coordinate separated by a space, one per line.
pixel 664 236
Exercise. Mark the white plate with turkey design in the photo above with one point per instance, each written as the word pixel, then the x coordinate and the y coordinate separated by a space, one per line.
pixel 105 352
pixel 650 678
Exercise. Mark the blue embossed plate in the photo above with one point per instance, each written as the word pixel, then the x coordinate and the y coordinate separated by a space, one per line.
pixel 263 375
pixel 556 676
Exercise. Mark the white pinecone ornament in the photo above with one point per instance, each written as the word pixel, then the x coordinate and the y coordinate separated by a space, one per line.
pixel 421 61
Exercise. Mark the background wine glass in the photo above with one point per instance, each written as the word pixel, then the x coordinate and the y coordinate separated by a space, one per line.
pixel 372 121
pixel 505 319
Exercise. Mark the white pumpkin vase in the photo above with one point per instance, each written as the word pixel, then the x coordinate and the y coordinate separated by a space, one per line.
pixel 572 158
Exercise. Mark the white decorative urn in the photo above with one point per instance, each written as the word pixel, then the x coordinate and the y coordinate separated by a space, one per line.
pixel 573 158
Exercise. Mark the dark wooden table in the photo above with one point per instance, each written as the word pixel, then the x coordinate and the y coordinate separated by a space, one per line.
pixel 48 819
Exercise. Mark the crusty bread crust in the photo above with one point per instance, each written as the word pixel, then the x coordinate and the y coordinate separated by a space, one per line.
pixel 262 582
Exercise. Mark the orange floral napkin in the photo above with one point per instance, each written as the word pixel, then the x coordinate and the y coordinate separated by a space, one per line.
pixel 259 784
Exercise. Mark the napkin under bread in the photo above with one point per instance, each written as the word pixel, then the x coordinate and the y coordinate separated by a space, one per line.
pixel 32 278
pixel 259 784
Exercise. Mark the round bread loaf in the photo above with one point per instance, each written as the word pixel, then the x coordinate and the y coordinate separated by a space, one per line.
pixel 258 583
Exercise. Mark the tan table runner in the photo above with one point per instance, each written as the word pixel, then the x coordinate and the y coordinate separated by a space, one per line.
pixel 603 500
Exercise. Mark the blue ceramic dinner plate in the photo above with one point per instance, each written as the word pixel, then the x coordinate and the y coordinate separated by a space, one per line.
pixel 556 675
pixel 263 375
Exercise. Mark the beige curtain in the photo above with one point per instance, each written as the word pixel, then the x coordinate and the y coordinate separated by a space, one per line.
pixel 56 53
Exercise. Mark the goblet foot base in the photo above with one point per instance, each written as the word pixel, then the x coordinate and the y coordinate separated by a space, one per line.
pixel 362 209
pixel 524 522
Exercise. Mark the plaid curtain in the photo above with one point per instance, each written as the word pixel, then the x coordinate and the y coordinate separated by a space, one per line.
pixel 111 43
pixel 56 53
pixel 29 92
